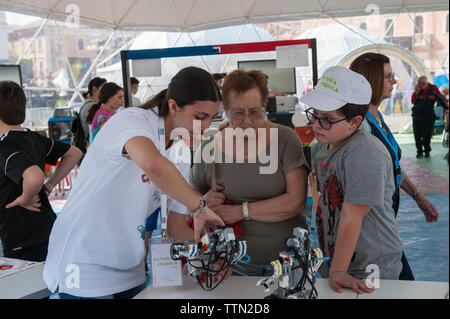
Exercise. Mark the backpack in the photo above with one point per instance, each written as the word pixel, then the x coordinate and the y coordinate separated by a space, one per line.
pixel 79 138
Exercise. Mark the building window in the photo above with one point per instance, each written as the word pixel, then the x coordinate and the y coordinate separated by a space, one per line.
pixel 80 44
pixel 389 28
pixel 418 25
pixel 446 23
pixel 363 25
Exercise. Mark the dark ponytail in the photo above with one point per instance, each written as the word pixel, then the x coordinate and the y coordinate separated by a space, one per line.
pixel 95 82
pixel 187 86
pixel 107 91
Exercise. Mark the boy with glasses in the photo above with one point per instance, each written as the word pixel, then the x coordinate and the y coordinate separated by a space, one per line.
pixel 355 220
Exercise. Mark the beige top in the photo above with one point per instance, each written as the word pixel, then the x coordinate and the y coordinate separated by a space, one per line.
pixel 244 183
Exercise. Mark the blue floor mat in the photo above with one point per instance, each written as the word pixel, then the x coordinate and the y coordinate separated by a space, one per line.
pixel 426 245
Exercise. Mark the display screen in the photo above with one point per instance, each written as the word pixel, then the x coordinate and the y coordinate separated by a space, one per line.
pixel 280 80
pixel 60 130
pixel 11 73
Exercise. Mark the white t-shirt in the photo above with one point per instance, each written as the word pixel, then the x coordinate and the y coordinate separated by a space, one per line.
pixel 97 234
pixel 135 101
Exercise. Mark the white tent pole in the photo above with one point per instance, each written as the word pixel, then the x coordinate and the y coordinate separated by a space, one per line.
pixel 147 83
pixel 184 23
pixel 177 14
pixel 362 36
pixel 32 88
pixel 257 32
pixel 203 59
pixel 67 60
pixel 248 13
pixel 126 45
pixel 318 18
pixel 127 12
pixel 236 41
pixel 240 34
pixel 43 24
pixel 93 65
pixel 391 25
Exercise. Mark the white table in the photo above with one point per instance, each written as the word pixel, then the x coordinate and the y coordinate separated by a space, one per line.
pixel 27 283
pixel 237 287
pixel 402 289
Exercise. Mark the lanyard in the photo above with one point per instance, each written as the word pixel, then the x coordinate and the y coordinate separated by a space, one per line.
pixel 162 150
pixel 390 140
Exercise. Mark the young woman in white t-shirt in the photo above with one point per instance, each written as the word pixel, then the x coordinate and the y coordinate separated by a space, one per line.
pixel 96 248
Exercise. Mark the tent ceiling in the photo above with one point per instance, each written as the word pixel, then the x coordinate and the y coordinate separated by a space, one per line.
pixel 194 15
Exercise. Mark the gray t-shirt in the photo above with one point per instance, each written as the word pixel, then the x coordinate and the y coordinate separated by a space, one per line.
pixel 244 183
pixel 359 172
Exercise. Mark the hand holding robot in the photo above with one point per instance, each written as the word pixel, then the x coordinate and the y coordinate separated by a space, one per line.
pixel 294 268
pixel 209 261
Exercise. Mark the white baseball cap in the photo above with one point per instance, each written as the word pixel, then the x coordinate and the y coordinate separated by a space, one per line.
pixel 337 87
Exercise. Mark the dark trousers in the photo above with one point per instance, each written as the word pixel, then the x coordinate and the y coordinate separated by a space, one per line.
pixel 127 294
pixel 423 131
pixel 406 273
pixel 36 253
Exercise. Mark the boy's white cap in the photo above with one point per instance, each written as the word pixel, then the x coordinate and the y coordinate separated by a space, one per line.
pixel 337 87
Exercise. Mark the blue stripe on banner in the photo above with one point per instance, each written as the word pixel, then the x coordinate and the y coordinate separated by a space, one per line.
pixel 172 52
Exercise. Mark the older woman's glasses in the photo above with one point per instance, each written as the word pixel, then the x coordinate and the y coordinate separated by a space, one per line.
pixel 324 123
pixel 253 114
pixel 390 77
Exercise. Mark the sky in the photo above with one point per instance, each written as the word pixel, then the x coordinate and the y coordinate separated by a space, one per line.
pixel 18 19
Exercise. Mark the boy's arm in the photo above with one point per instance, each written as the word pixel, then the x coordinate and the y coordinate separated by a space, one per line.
pixel 68 161
pixel 32 182
pixel 348 232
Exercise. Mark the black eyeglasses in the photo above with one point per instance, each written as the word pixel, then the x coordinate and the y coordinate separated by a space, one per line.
pixel 326 124
pixel 253 114
pixel 390 77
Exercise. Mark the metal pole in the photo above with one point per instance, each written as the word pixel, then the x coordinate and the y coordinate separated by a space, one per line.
pixel 88 72
pixel 44 23
pixel 126 78
pixel 314 61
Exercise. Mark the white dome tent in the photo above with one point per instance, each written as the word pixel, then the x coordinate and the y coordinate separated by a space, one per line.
pixel 348 42
pixel 213 63
pixel 188 16
pixel 195 15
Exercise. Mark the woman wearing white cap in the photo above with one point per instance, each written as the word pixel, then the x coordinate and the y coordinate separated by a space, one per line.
pixel 376 68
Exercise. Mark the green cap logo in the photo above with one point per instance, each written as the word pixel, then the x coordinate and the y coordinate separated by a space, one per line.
pixel 329 83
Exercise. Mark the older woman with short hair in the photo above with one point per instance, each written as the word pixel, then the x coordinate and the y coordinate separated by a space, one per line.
pixel 266 200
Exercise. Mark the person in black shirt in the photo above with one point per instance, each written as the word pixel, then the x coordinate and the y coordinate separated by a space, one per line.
pixel 26 216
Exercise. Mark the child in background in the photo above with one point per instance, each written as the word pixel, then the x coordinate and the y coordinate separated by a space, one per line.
pixel 355 220
pixel 110 99
pixel 26 216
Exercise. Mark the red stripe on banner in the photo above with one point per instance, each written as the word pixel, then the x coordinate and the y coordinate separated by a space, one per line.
pixel 258 46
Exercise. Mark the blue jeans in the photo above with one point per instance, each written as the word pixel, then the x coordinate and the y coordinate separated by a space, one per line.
pixel 127 294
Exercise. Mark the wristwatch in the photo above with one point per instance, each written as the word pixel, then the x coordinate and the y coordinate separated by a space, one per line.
pixel 245 210
pixel 199 210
